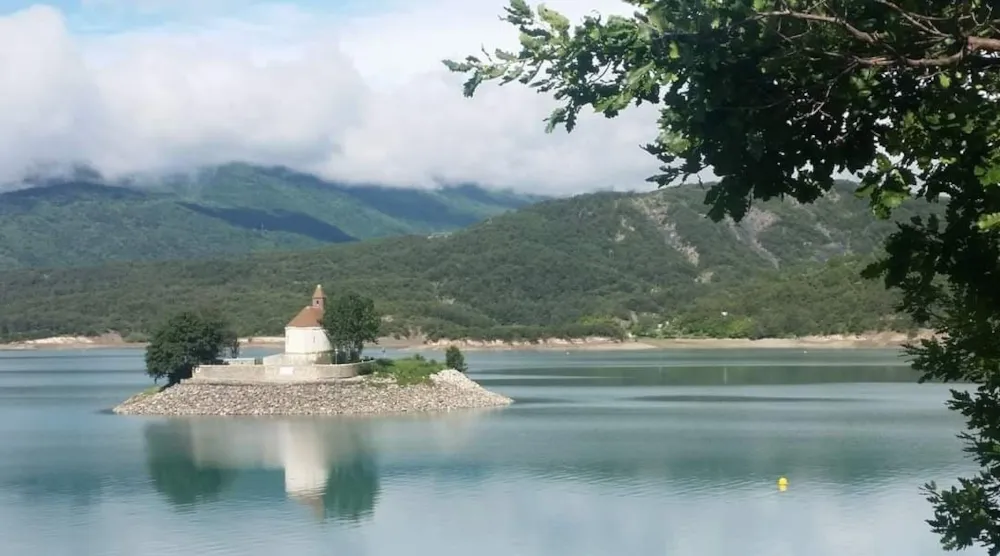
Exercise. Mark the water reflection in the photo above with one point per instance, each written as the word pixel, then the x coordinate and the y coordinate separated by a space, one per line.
pixel 173 469
pixel 78 488
pixel 327 465
pixel 585 463
pixel 700 375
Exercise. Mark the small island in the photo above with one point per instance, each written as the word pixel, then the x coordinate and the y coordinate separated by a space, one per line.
pixel 320 372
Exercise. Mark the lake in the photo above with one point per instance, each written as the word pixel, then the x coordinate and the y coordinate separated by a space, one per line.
pixel 648 452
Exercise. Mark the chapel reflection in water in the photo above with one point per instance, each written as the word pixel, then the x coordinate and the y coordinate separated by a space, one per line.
pixel 327 464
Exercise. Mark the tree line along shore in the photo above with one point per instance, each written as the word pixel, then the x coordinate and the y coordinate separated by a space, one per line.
pixel 807 303
pixel 873 340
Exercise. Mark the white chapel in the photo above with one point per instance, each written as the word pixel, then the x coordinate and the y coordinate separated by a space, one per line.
pixel 305 339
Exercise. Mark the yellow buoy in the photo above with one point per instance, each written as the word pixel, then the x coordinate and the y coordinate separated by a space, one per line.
pixel 782 484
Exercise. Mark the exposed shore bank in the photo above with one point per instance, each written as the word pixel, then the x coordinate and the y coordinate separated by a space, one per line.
pixel 873 340
pixel 447 390
pixel 838 341
pixel 113 341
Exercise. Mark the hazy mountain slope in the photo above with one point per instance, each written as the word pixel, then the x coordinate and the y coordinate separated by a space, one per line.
pixel 227 210
pixel 80 223
pixel 556 265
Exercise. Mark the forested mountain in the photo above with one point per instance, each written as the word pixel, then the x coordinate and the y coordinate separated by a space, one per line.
pixel 570 266
pixel 232 209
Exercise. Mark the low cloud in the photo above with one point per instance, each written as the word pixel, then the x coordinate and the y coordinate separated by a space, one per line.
pixel 360 97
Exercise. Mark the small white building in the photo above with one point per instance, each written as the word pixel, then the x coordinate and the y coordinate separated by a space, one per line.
pixel 304 334
pixel 306 357
pixel 305 338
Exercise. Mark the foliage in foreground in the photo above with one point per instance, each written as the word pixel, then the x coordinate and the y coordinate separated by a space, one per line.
pixel 183 342
pixel 406 371
pixel 776 97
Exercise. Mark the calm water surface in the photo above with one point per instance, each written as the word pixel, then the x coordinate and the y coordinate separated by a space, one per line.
pixel 665 453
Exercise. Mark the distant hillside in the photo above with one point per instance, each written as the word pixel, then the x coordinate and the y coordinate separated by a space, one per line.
pixel 569 266
pixel 228 210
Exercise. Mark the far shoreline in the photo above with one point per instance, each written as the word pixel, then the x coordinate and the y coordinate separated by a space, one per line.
pixel 862 341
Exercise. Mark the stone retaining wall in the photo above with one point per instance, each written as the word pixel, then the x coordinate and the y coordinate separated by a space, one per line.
pixel 297 359
pixel 273 373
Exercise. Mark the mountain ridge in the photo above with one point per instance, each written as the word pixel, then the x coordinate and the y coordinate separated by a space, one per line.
pixel 597 263
pixel 225 210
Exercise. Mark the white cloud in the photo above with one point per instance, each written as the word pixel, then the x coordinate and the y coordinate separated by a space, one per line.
pixel 356 97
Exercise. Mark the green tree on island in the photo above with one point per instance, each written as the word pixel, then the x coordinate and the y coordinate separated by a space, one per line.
pixel 453 359
pixel 776 97
pixel 350 320
pixel 183 342
pixel 232 343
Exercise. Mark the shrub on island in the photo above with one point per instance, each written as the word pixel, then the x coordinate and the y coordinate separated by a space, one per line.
pixel 406 371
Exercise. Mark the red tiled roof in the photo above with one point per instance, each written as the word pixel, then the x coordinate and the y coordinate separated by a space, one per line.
pixel 308 317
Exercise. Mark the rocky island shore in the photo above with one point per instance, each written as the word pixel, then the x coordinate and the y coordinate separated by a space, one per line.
pixel 444 391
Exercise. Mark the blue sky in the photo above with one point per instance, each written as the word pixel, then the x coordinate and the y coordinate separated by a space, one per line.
pixel 110 16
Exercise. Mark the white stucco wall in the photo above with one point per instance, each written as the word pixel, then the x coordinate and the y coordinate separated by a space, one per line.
pixel 274 373
pixel 306 340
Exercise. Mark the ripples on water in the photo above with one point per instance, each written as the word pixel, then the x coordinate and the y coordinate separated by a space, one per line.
pixel 604 453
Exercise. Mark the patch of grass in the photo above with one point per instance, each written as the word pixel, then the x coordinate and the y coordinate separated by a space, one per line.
pixel 408 371
pixel 154 389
